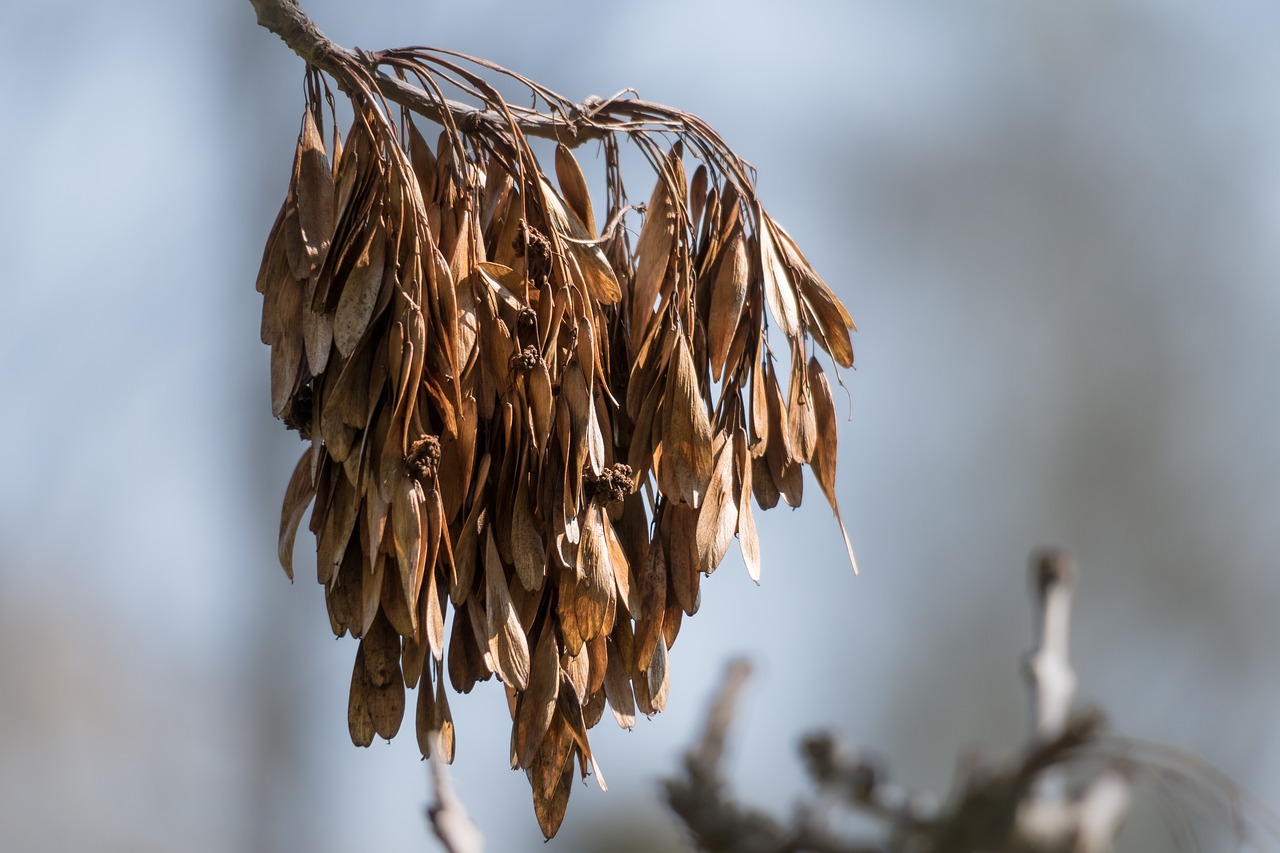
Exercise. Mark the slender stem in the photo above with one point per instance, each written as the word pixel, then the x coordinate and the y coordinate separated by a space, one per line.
pixel 286 19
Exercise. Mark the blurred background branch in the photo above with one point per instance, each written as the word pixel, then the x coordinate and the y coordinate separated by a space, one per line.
pixel 1038 801
pixel 447 815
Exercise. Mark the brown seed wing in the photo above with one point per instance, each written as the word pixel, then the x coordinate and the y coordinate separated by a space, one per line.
pixel 833 320
pixel 778 287
pixel 360 291
pixel 297 497
pixel 653 604
pixel 656 244
pixel 685 467
pixel 507 644
pixel 617 688
pixel 526 542
pixel 549 807
pixel 359 716
pixel 718 516
pixel 445 738
pixel 588 259
pixel 424 722
pixel 431 616
pixel 748 541
pixel 343 595
pixel 824 454
pixel 574 187
pixel 465 660
pixel 537 704
pixel 697 195
pixel 407 532
pixel 658 677
pixel 680 529
pixel 339 522
pixel 274 268
pixel 623 575
pixel 728 296
pixel 380 589
pixel 538 382
pixel 316 200
pixel 802 425
pixel 595 589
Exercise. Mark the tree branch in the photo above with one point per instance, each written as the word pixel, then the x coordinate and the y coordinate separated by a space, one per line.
pixel 1048 669
pixel 572 124
pixel 449 820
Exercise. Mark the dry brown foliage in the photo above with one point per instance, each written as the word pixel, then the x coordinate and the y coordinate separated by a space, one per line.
pixel 542 424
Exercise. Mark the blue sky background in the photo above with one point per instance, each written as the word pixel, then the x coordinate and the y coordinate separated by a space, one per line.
pixel 1054 224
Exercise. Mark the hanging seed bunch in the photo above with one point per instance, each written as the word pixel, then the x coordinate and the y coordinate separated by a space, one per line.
pixel 552 430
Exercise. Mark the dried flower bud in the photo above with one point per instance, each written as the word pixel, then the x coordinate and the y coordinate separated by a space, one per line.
pixel 423 458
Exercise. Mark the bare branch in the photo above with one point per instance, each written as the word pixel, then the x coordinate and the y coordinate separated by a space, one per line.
pixel 1048 667
pixel 1046 818
pixel 449 820
pixel 572 124
pixel 705 759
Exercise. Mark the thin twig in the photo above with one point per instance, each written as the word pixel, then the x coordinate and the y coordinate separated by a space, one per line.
pixel 573 124
pixel 449 820
pixel 1088 822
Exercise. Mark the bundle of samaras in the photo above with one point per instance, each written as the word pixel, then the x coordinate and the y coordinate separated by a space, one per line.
pixel 518 411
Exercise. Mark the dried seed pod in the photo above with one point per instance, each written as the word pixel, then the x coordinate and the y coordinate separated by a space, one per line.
pixel 517 414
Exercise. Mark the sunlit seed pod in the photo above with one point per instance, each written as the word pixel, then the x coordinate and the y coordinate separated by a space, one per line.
pixel 531 434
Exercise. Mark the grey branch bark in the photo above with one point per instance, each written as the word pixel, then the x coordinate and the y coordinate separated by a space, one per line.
pixel 594 118
pixel 1047 818
pixel 449 820
pixel 1018 806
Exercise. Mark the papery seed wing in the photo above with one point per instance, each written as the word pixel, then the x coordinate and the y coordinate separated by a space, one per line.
pixel 656 244
pixel 297 497
pixel 432 610
pixel 623 576
pixel 570 709
pixel 574 187
pixel 316 200
pixel 538 381
pixel 359 718
pixel 718 516
pixel 595 591
pixel 537 704
pixel 697 195
pixel 406 528
pixel 617 689
pixel 506 640
pixel 529 554
pixel 653 604
pixel 380 590
pixel 802 425
pixel 597 275
pixel 445 738
pixel 424 718
pixel 748 541
pixel 824 454
pixel 778 287
pixel 549 808
pixel 685 467
pixel 360 292
pixel 680 527
pixel 728 296
pixel 658 677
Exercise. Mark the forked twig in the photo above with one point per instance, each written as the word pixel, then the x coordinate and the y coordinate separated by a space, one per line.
pixel 1020 806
